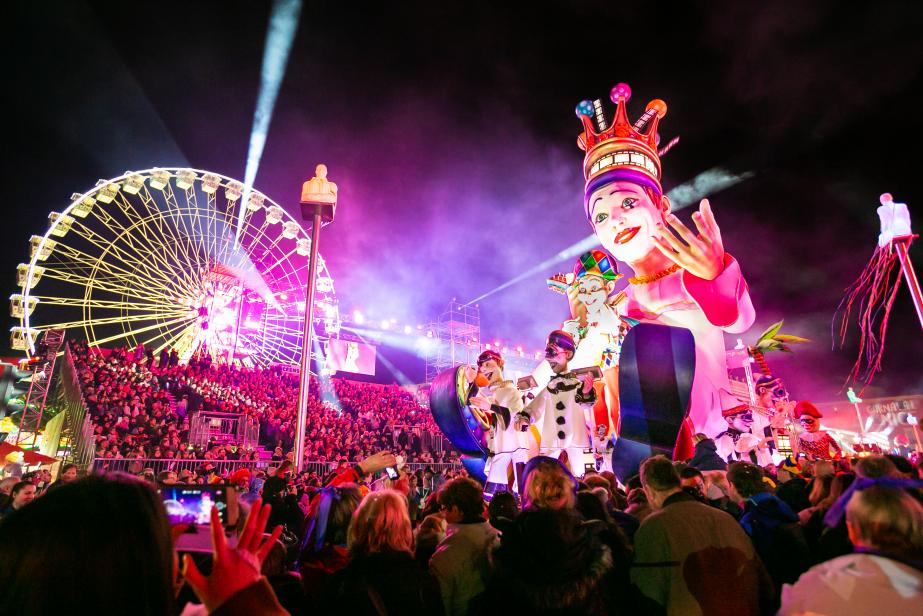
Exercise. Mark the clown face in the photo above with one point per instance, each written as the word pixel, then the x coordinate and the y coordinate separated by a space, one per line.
pixel 741 422
pixel 557 358
pixel 625 220
pixel 592 292
pixel 492 371
pixel 809 424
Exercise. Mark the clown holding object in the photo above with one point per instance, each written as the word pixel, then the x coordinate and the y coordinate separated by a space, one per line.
pixel 682 278
pixel 562 407
pixel 498 401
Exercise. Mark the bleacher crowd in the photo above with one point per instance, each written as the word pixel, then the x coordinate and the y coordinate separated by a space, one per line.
pixel 142 407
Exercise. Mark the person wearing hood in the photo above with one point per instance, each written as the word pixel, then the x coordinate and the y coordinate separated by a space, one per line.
pixel 771 524
pixel 705 457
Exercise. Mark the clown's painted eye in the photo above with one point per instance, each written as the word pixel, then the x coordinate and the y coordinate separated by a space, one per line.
pixel 628 203
pixel 600 217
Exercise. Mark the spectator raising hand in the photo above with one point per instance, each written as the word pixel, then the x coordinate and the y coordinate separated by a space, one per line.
pixel 235 571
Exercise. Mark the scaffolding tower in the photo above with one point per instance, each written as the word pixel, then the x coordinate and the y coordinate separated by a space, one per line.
pixel 456 338
pixel 42 363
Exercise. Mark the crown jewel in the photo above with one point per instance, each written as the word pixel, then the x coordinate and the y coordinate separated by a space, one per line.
pixel 621 146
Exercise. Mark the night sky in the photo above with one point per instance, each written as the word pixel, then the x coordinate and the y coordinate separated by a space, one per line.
pixel 451 134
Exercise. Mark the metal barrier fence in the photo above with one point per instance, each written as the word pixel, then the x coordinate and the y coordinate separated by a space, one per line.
pixel 222 467
pixel 224 429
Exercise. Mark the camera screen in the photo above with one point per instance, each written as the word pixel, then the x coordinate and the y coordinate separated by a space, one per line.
pixel 193 504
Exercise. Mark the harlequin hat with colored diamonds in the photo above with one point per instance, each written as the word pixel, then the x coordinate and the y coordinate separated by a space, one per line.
pixel 596 263
pixel 622 150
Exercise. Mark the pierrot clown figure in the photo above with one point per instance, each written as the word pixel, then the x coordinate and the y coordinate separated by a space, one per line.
pixel 563 407
pixel 499 402
pixel 682 277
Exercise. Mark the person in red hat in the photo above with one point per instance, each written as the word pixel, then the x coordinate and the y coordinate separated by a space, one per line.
pixel 814 443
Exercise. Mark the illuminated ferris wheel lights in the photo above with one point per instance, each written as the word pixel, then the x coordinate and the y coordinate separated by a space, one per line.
pixel 274 214
pixel 290 230
pixel 303 247
pixel 185 179
pixel 60 223
pixel 20 337
pixel 22 275
pixel 82 206
pixel 133 184
pixel 210 183
pixel 43 250
pixel 233 191
pixel 159 179
pixel 107 193
pixel 255 201
pixel 21 306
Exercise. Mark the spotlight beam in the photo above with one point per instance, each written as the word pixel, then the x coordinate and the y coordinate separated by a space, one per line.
pixel 283 24
pixel 706 183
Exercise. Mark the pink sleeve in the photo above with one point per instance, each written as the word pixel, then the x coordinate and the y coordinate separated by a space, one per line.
pixel 724 300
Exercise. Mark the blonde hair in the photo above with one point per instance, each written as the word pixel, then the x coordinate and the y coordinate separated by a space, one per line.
pixel 549 487
pixel 381 523
pixel 888 519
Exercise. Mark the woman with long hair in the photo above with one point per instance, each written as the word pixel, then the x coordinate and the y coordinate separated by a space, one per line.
pixel 382 575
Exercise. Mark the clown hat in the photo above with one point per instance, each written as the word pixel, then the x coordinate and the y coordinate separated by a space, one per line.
pixel 730 404
pixel 488 355
pixel 563 340
pixel 807 408
pixel 596 263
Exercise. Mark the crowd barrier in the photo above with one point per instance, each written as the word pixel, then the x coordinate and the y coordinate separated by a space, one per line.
pixel 137 465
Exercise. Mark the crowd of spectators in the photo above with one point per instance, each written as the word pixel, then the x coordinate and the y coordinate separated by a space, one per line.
pixel 820 537
pixel 142 407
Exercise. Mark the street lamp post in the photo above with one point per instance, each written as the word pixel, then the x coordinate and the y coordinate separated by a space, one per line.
pixel 318 204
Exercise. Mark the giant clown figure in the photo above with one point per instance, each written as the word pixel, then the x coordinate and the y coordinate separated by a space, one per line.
pixel 682 277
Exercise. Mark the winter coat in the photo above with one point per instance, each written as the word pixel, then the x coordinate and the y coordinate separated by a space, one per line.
pixel 857 584
pixel 706 458
pixel 548 562
pixel 795 493
pixel 382 583
pixel 777 537
pixel 461 564
pixel 694 559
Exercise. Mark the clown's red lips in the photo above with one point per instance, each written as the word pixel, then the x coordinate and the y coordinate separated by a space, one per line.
pixel 625 236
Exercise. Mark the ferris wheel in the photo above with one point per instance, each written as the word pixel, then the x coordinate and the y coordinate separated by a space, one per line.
pixel 174 259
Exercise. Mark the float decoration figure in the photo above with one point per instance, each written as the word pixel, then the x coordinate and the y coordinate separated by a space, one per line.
pixel 682 278
pixel 815 443
pixel 498 401
pixel 562 406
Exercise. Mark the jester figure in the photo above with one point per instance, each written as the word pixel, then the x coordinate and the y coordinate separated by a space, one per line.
pixel 597 329
pixel 682 277
pixel 499 402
